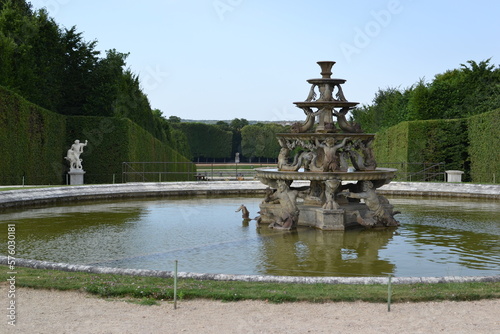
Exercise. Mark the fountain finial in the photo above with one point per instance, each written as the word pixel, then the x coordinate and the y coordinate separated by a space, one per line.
pixel 326 68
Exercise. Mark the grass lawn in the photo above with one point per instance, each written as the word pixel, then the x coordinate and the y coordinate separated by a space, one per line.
pixel 149 289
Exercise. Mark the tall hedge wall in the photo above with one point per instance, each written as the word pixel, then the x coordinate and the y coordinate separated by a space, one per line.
pixel 31 144
pixel 207 140
pixel 440 141
pixel 112 141
pixel 143 147
pixel 484 143
pixel 430 141
pixel 391 145
pixel 34 142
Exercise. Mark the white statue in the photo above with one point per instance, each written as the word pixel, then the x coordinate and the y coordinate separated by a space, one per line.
pixel 73 155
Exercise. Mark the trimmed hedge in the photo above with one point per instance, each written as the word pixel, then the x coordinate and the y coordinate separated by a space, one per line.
pixel 112 141
pixel 484 143
pixel 34 142
pixel 391 145
pixel 31 144
pixel 207 140
pixel 440 141
pixel 468 144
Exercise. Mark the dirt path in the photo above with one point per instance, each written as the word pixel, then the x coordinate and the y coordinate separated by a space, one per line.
pixel 43 311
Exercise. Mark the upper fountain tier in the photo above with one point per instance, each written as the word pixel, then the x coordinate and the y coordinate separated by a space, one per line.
pixel 330 97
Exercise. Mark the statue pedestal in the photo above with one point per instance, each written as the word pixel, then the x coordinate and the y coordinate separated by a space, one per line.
pixel 76 176
pixel 454 175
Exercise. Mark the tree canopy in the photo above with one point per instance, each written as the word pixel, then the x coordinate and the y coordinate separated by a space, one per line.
pixel 472 89
pixel 259 140
pixel 57 69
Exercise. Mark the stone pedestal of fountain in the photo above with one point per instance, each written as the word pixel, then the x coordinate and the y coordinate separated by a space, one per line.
pixel 336 157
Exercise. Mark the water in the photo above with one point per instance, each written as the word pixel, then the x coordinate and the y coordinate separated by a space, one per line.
pixel 436 238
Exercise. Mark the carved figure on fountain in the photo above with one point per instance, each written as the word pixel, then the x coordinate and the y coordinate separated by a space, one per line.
pixel 344 124
pixel 331 156
pixel 307 125
pixel 380 211
pixel 288 201
pixel 361 155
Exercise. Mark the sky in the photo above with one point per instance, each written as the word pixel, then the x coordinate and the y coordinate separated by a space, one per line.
pixel 226 59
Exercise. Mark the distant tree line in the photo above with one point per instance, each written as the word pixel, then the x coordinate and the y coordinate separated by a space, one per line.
pixel 472 89
pixel 221 141
pixel 57 69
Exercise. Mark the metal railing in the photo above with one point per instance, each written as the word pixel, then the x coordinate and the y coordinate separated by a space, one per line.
pixel 173 171
pixel 417 171
pixel 228 171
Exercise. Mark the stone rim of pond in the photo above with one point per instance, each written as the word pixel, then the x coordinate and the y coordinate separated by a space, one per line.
pixel 35 264
pixel 33 196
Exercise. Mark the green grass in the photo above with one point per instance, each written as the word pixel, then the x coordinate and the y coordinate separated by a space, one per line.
pixel 148 290
pixel 5 188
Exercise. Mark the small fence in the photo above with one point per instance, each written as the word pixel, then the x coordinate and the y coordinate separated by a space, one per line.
pixel 417 171
pixel 228 171
pixel 420 172
pixel 182 171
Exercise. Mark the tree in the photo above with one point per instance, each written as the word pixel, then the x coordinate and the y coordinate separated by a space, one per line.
pixel 238 124
pixel 60 71
pixel 223 126
pixel 105 84
pixel 472 89
pixel 388 109
pixel 259 140
pixel 81 59
pixel 174 119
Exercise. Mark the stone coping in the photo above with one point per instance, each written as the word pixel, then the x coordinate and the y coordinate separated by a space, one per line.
pixel 51 195
pixel 247 278
pixel 444 189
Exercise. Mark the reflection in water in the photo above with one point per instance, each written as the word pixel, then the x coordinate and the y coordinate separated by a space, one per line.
pixel 457 235
pixel 436 238
pixel 73 233
pixel 324 253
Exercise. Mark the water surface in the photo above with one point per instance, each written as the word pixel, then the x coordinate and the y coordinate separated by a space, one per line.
pixel 437 237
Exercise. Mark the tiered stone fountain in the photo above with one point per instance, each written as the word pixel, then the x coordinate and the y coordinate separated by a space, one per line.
pixel 337 160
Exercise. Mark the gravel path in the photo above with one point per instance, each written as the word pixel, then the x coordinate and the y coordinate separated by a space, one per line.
pixel 43 311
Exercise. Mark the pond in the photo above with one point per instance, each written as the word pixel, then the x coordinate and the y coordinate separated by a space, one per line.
pixel 437 237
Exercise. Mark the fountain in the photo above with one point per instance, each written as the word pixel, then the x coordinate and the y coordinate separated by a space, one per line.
pixel 336 159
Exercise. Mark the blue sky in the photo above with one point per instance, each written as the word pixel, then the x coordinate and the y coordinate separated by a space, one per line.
pixel 226 59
